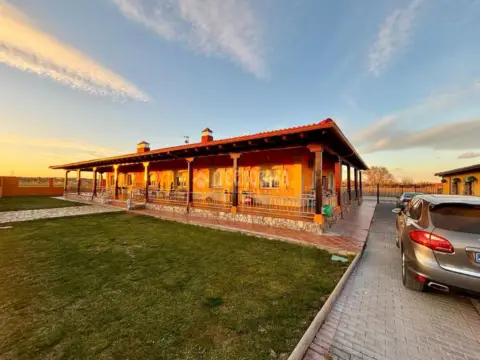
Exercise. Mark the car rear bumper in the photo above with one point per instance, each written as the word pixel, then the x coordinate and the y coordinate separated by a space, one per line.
pixel 422 261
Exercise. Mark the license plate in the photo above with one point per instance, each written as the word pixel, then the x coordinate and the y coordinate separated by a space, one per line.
pixel 477 257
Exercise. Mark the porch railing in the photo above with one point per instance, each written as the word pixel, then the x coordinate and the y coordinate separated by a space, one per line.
pixel 137 195
pixel 214 199
pixel 330 199
pixel 301 205
pixel 169 196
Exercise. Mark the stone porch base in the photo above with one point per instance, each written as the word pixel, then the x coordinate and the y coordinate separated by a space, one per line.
pixel 226 214
pixel 260 219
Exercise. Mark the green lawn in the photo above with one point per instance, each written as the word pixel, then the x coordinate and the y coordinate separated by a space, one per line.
pixel 33 202
pixel 124 286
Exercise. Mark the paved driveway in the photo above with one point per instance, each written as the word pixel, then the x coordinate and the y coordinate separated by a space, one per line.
pixel 27 215
pixel 377 318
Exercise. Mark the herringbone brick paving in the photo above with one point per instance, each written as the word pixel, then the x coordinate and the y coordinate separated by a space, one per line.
pixel 376 317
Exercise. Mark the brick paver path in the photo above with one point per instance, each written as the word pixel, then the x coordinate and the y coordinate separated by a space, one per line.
pixel 376 317
pixel 347 236
pixel 26 215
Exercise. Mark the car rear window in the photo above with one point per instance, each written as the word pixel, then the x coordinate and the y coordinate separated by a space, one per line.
pixel 461 217
pixel 411 195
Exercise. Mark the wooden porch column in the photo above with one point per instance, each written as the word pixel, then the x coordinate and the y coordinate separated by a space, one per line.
pixel 235 158
pixel 65 187
pixel 355 179
pixel 79 180
pixel 360 179
pixel 317 149
pixel 146 177
pixel 338 182
pixel 349 184
pixel 189 181
pixel 94 181
pixel 115 176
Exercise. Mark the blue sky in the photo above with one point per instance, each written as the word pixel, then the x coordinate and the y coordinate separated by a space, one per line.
pixel 92 78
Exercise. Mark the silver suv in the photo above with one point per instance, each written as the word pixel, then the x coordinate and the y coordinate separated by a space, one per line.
pixel 439 238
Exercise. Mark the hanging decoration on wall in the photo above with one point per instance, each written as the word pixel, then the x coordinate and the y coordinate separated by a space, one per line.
pixel 285 178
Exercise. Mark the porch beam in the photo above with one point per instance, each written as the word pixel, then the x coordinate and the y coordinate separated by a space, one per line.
pixel 355 180
pixel 79 180
pixel 360 183
pixel 65 187
pixel 94 181
pixel 349 183
pixel 189 181
pixel 317 150
pixel 146 177
pixel 235 157
pixel 115 176
pixel 338 181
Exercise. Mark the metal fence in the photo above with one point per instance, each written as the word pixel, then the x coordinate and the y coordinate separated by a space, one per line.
pixel 391 193
pixel 301 205
pixel 212 199
pixel 167 196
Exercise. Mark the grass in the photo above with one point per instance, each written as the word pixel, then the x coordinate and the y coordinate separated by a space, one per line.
pixel 124 286
pixel 15 203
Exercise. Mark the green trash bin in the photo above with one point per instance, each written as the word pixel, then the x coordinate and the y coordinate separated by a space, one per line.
pixel 327 210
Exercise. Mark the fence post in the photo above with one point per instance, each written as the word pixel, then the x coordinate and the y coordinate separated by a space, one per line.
pixel 378 193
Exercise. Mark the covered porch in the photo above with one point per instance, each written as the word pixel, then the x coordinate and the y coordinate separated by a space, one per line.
pixel 287 176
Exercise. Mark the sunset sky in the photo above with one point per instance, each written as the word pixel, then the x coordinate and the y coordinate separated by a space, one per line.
pixel 91 78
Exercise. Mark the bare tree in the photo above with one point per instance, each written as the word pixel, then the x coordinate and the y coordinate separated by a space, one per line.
pixel 378 175
pixel 407 181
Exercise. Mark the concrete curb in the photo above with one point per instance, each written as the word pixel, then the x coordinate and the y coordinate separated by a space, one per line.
pixel 307 338
pixel 299 352
pixel 476 305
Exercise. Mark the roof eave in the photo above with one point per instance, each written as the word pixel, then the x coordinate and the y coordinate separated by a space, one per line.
pixel 325 124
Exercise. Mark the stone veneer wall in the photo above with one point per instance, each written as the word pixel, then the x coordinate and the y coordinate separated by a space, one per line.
pixel 244 218
pixel 307 226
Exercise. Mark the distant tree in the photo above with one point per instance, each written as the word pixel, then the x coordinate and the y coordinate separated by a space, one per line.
pixel 407 181
pixel 378 175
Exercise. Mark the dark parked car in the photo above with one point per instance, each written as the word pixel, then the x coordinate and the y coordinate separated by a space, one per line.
pixel 439 238
pixel 405 198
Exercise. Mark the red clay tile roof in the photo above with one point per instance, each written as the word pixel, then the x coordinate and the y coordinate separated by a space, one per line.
pixel 324 124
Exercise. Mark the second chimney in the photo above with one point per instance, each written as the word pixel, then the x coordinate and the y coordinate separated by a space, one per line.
pixel 143 147
pixel 207 135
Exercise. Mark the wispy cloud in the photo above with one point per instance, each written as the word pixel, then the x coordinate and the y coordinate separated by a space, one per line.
pixel 393 36
pixel 457 135
pixel 221 28
pixel 28 49
pixel 405 128
pixel 79 148
pixel 469 155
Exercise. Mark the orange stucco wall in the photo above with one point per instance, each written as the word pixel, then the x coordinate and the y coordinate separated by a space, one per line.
pixel 293 165
pixel 448 186
pixel 9 187
pixel 328 170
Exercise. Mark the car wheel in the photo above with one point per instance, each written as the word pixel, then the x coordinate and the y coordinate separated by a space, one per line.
pixel 408 280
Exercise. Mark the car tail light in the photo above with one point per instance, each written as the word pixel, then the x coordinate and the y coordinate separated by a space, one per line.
pixel 431 241
pixel 421 279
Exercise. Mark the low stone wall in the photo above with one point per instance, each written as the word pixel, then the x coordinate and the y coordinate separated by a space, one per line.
pixel 300 225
